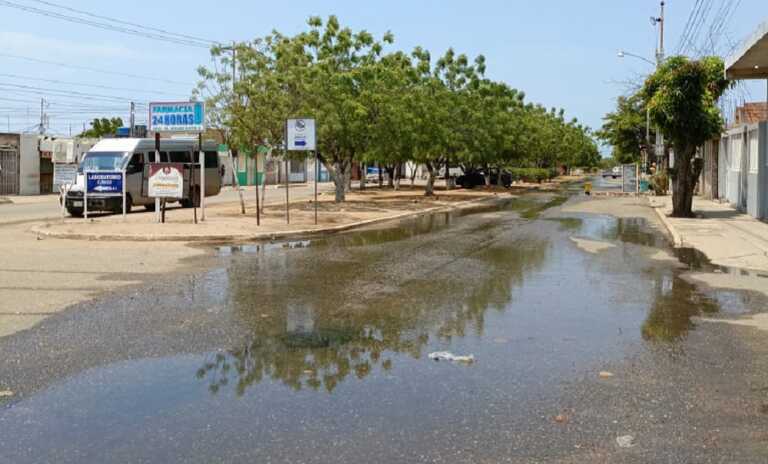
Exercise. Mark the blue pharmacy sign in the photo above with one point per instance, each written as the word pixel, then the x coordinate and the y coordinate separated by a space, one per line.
pixel 177 117
pixel 105 182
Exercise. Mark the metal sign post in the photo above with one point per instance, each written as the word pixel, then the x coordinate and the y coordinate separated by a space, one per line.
pixel 157 160
pixel 317 179
pixel 287 187
pixel 124 179
pixel 202 184
pixel 85 194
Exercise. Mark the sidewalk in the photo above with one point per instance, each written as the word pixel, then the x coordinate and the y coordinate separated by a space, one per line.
pixel 728 237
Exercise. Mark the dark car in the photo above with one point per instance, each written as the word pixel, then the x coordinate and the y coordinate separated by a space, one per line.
pixel 472 179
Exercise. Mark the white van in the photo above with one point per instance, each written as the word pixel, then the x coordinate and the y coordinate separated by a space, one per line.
pixel 134 155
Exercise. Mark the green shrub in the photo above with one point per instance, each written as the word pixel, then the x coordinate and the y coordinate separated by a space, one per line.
pixel 660 183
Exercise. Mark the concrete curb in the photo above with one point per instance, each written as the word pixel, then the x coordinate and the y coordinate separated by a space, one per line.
pixel 40 230
pixel 5 201
pixel 677 238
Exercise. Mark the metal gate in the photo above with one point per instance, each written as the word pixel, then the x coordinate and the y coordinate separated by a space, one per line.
pixel 9 172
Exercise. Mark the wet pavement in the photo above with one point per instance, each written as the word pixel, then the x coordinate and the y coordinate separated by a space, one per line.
pixel 317 351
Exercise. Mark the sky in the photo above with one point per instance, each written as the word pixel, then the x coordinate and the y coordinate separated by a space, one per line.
pixel 561 53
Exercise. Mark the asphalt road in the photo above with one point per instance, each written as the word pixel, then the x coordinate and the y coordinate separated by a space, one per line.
pixel 582 330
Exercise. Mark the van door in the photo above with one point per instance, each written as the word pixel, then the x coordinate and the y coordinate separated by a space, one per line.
pixel 212 174
pixel 134 173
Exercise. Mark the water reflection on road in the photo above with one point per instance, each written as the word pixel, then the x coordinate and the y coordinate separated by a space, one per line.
pixel 316 350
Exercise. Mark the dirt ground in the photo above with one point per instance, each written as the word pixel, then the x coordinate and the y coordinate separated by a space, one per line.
pixel 226 222
pixel 39 277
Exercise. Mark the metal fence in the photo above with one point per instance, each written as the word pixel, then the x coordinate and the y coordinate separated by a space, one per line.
pixel 9 172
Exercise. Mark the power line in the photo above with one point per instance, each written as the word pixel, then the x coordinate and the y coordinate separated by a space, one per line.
pixel 96 86
pixel 64 93
pixel 105 26
pixel 102 71
pixel 687 28
pixel 127 23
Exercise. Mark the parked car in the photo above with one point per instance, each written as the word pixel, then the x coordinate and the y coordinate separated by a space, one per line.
pixel 613 173
pixel 472 179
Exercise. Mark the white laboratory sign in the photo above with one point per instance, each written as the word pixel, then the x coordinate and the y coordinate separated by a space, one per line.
pixel 301 134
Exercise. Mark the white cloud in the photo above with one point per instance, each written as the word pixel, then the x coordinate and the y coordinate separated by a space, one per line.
pixel 19 43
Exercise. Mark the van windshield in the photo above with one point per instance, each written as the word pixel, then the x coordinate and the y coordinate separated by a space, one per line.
pixel 102 161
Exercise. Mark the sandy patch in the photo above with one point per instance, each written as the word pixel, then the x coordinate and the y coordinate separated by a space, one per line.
pixel 758 321
pixel 729 281
pixel 592 246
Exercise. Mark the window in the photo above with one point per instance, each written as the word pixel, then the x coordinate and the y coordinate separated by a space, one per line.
pixel 297 167
pixel 737 142
pixel 211 159
pixel 179 157
pixel 102 161
pixel 136 164
pixel 753 148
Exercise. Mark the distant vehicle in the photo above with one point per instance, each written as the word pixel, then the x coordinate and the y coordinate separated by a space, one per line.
pixel 614 173
pixel 476 178
pixel 134 155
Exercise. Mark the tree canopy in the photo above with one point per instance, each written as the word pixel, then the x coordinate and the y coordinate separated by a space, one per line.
pixel 682 98
pixel 101 127
pixel 377 106
pixel 624 129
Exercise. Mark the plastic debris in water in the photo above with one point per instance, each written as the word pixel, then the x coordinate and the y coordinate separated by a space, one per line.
pixel 626 441
pixel 448 356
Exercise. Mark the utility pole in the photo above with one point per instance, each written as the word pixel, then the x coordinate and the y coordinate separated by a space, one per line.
pixel 132 120
pixel 660 155
pixel 660 21
pixel 42 116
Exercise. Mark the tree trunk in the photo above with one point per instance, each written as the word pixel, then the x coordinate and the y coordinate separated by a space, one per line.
pixel 362 177
pixel 487 176
pixel 685 176
pixel 430 188
pixel 397 176
pixel 340 176
pixel 499 179
pixel 448 173
pixel 413 174
pixel 390 177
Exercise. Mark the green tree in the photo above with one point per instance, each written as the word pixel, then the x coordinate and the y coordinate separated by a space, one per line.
pixel 625 129
pixel 682 98
pixel 101 127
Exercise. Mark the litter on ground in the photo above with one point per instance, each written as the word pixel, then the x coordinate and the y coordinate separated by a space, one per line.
pixel 448 356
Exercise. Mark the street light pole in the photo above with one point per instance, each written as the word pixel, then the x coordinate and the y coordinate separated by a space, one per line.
pixel 659 60
pixel 623 54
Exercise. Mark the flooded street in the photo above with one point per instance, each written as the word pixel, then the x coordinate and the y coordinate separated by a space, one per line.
pixel 318 351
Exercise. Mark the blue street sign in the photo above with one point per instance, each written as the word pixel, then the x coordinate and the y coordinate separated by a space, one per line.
pixel 105 183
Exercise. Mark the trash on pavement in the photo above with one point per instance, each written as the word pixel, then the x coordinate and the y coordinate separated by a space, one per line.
pixel 625 441
pixel 5 393
pixel 447 356
pixel 606 375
